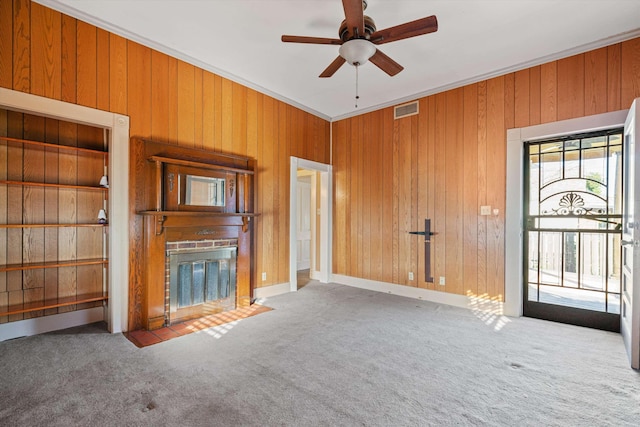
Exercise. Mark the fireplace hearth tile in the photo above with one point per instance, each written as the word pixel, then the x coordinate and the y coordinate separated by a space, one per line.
pixel 166 333
pixel 146 338
pixel 143 338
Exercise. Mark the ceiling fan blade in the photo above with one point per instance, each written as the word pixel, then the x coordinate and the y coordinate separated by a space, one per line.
pixel 312 40
pixel 354 15
pixel 404 31
pixel 385 63
pixel 333 67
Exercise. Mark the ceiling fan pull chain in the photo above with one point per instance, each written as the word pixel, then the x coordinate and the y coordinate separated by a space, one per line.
pixel 357 97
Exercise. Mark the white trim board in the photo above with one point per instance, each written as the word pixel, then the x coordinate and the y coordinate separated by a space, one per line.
pixel 405 291
pixel 513 274
pixel 41 325
pixel 118 207
pixel 271 291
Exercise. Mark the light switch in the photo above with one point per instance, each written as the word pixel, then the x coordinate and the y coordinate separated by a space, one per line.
pixel 485 210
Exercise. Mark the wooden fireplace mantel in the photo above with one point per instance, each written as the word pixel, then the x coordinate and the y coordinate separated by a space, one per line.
pixel 215 218
pixel 159 172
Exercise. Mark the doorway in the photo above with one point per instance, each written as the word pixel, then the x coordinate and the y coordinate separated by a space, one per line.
pixel 317 201
pixel 572 220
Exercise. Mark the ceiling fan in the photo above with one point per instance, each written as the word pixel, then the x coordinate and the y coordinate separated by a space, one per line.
pixel 358 37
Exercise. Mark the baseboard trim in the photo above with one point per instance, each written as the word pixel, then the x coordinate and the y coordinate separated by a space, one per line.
pixel 40 325
pixel 271 291
pixel 405 291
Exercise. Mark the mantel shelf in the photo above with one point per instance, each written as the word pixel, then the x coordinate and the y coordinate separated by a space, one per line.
pixel 52 264
pixel 198 213
pixel 44 184
pixel 7 310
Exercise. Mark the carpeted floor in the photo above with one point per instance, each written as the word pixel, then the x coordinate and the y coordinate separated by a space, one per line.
pixel 327 355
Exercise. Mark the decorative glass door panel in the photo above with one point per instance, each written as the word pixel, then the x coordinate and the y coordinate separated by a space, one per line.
pixel 573 198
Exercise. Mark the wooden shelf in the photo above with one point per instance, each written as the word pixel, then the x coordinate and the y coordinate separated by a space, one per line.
pixel 52 264
pixel 199 165
pixel 196 213
pixel 50 225
pixel 56 146
pixel 44 184
pixel 8 310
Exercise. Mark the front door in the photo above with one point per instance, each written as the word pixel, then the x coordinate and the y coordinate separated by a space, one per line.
pixel 573 211
pixel 630 317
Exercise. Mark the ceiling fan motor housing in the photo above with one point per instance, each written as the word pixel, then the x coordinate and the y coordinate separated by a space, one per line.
pixel 369 28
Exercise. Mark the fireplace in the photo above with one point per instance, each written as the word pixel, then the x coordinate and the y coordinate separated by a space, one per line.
pixel 201 282
pixel 196 255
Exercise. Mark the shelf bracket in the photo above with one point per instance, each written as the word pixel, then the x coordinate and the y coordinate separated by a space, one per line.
pixel 160 224
pixel 245 223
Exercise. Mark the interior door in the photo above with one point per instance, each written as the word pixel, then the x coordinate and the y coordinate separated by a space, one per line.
pixel 304 223
pixel 630 313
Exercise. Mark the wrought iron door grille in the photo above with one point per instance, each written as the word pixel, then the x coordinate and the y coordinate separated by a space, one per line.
pixel 573 211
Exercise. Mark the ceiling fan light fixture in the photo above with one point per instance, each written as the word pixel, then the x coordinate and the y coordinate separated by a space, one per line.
pixel 357 51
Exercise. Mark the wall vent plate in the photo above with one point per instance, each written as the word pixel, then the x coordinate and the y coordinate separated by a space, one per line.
pixel 405 110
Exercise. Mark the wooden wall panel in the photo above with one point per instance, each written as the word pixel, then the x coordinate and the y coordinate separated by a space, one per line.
pixel 51 173
pixel 470 205
pixel 139 82
pixel 87 63
pixel 103 71
pixel 570 87
pixel 614 76
pixel 630 70
pixel 595 84
pixel 21 45
pixel 69 63
pixel 45 52
pixel 4 204
pixel 454 163
pixel 6 45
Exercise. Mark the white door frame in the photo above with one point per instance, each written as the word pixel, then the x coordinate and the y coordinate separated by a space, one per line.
pixel 513 273
pixel 326 210
pixel 118 208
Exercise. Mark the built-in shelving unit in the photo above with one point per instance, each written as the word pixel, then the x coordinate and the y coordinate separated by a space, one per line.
pixel 53 249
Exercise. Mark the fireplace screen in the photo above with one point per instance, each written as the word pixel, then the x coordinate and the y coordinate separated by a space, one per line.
pixel 204 278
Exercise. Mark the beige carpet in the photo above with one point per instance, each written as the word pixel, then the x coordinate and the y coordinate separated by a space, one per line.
pixel 327 355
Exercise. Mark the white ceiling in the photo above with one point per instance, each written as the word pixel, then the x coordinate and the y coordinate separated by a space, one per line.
pixel 476 39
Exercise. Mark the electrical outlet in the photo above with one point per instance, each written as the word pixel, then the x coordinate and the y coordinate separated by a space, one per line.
pixel 441 280
pixel 264 276
pixel 485 210
pixel 411 275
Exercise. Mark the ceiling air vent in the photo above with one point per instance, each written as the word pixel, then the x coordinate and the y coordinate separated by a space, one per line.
pixel 405 110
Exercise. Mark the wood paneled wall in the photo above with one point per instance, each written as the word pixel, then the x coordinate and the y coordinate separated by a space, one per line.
pixel 449 160
pixel 46 53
